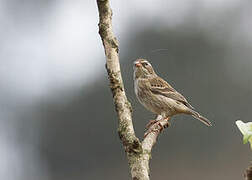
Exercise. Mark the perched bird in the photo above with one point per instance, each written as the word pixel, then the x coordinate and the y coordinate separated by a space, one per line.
pixel 159 97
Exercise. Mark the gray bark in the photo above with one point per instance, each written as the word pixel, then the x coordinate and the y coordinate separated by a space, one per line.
pixel 138 153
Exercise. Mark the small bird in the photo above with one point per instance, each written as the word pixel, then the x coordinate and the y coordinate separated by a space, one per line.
pixel 159 97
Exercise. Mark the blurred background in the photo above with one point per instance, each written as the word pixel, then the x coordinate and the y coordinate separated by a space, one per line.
pixel 57 120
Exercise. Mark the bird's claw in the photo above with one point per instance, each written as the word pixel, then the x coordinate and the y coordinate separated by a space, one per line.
pixel 150 123
pixel 156 126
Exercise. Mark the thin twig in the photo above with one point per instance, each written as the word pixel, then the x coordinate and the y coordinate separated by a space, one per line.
pixel 153 133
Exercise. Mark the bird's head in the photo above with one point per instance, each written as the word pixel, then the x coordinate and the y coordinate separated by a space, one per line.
pixel 143 69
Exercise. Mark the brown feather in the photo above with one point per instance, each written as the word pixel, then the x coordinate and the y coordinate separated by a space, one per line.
pixel 161 87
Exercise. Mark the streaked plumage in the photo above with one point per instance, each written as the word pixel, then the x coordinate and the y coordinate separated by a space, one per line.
pixel 159 97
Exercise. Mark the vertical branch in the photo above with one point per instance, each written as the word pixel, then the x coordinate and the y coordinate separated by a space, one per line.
pixel 122 105
pixel 123 108
pixel 138 153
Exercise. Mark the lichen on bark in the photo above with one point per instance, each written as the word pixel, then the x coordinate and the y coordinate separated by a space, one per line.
pixel 138 153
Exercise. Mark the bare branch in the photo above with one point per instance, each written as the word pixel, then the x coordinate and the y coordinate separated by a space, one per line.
pixel 122 105
pixel 123 108
pixel 153 133
pixel 138 154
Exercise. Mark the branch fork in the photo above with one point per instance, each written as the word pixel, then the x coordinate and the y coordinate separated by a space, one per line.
pixel 138 153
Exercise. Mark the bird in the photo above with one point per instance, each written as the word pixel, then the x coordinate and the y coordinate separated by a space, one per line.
pixel 158 96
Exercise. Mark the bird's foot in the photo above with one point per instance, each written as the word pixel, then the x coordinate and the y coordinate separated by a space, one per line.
pixel 157 126
pixel 167 124
pixel 150 123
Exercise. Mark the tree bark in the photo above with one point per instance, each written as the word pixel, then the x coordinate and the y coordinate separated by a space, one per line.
pixel 248 173
pixel 138 153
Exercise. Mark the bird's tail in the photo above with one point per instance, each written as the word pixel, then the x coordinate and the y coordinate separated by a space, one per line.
pixel 201 118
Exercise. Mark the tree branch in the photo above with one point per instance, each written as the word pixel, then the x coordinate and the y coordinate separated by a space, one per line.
pixel 248 173
pixel 122 105
pixel 138 153
pixel 153 133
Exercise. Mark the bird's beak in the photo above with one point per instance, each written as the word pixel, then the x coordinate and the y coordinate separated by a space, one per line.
pixel 138 64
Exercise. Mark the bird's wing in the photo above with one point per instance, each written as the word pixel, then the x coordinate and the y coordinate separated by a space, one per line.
pixel 161 87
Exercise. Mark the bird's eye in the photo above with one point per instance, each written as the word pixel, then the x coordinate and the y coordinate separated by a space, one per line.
pixel 145 64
